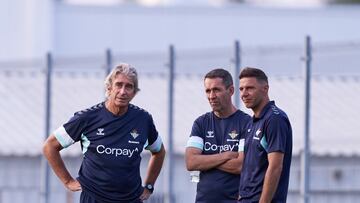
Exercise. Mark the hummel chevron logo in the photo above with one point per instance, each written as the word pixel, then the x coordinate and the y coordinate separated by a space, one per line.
pixel 100 131
pixel 210 134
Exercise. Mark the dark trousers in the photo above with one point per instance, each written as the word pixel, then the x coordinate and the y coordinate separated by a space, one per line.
pixel 248 201
pixel 85 198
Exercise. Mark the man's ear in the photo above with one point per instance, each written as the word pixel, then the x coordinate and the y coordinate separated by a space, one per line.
pixel 108 89
pixel 266 88
pixel 231 89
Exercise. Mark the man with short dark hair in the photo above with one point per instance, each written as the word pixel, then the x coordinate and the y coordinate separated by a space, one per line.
pixel 268 145
pixel 216 142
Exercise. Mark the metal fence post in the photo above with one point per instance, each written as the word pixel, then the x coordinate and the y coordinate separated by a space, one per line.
pixel 237 62
pixel 45 183
pixel 170 117
pixel 109 60
pixel 305 158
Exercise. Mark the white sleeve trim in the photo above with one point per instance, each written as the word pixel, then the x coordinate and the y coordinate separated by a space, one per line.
pixel 63 137
pixel 156 146
pixel 195 141
pixel 241 145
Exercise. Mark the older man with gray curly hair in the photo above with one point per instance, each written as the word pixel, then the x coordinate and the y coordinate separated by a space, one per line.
pixel 112 134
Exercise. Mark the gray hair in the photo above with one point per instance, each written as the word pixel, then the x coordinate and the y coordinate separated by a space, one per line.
pixel 123 68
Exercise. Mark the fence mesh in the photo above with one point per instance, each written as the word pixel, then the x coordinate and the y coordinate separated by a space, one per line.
pixel 77 83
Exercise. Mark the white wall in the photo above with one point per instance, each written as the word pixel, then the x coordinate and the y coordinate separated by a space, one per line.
pixel 84 30
pixel 26 28
pixel 333 180
pixel 31 28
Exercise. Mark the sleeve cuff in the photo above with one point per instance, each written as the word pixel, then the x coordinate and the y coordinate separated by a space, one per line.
pixel 241 145
pixel 156 146
pixel 63 137
pixel 195 141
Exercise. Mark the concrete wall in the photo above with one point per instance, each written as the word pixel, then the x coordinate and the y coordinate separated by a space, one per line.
pixel 333 180
pixel 86 30
pixel 26 28
pixel 29 29
pixel 20 179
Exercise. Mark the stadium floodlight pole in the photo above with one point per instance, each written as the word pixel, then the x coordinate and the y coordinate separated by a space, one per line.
pixel 171 122
pixel 305 156
pixel 237 62
pixel 45 173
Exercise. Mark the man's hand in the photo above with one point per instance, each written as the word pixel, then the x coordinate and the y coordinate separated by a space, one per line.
pixel 230 154
pixel 272 176
pixel 196 161
pixel 73 185
pixel 145 195
pixel 51 150
pixel 234 165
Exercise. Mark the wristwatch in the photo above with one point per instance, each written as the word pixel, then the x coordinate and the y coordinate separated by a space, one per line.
pixel 149 187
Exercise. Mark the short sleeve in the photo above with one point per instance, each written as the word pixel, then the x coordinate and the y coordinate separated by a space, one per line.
pixel 241 145
pixel 277 133
pixel 196 138
pixel 244 126
pixel 154 141
pixel 71 131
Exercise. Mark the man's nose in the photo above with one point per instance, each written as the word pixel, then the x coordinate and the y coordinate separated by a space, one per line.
pixel 212 94
pixel 244 93
pixel 122 90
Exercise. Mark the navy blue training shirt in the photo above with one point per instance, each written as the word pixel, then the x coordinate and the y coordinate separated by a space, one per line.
pixel 111 145
pixel 214 135
pixel 271 132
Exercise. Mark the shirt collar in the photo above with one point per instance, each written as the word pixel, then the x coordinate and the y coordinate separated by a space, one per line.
pixel 264 110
